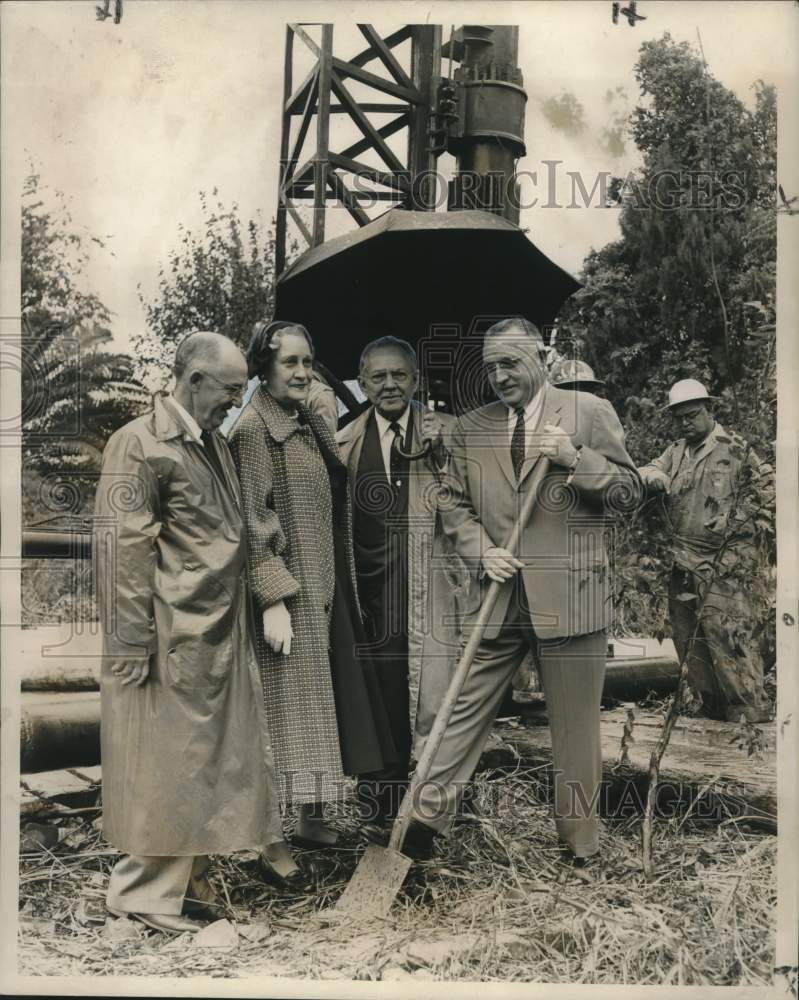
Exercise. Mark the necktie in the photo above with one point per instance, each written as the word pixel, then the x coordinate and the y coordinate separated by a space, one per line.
pixel 394 459
pixel 211 455
pixel 517 443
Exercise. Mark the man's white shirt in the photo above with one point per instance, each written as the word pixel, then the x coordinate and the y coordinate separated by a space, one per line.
pixel 194 428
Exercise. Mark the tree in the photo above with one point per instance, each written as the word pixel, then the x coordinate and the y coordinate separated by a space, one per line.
pixel 688 290
pixel 220 278
pixel 75 393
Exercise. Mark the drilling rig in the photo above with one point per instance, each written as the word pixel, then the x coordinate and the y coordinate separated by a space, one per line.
pixel 429 275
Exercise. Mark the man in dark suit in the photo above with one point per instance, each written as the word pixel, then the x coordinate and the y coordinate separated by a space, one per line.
pixel 407 573
pixel 555 597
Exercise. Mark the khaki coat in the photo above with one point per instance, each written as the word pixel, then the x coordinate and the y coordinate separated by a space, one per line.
pixel 186 759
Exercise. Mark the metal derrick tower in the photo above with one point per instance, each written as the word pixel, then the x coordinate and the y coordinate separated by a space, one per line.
pixel 475 112
pixel 406 93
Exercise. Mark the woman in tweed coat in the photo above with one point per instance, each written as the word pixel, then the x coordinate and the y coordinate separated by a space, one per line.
pixel 323 708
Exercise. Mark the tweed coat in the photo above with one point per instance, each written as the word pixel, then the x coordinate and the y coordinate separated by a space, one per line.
pixel 437 579
pixel 566 576
pixel 288 513
pixel 183 757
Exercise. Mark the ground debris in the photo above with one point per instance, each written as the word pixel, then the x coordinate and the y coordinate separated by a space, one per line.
pixel 500 902
pixel 91 910
pixel 256 932
pixel 118 929
pixel 395 973
pixel 220 934
pixel 439 950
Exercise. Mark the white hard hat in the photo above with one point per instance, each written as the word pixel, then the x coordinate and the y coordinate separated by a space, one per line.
pixel 571 373
pixel 687 390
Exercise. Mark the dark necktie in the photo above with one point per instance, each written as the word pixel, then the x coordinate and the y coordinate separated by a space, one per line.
pixel 395 459
pixel 517 443
pixel 211 455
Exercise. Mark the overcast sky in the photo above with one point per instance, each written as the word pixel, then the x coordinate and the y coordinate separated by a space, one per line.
pixel 132 121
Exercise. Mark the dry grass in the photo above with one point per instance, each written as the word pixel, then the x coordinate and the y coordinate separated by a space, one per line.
pixel 499 903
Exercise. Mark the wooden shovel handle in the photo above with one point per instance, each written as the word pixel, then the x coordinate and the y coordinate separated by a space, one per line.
pixel 444 714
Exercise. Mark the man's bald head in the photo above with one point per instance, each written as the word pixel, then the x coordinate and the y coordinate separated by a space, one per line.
pixel 210 376
pixel 203 348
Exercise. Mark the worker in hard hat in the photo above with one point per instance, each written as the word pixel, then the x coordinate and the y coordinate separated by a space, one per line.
pixel 572 373
pixel 700 473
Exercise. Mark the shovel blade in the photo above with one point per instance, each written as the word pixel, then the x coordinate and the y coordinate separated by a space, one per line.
pixel 374 884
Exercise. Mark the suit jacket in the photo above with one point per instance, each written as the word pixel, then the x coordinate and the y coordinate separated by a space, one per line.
pixel 565 579
pixel 436 577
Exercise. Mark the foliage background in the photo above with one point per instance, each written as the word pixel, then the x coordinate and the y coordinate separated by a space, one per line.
pixel 687 291
pixel 220 277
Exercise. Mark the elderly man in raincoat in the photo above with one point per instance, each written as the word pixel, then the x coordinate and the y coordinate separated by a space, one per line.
pixel 711 611
pixel 186 761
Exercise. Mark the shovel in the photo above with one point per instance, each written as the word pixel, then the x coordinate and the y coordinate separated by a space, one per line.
pixel 382 870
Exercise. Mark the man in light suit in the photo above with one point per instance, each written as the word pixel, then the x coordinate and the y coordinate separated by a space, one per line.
pixel 555 597
pixel 407 573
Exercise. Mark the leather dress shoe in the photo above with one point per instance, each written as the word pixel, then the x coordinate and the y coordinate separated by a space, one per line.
pixel 207 910
pixel 419 841
pixel 168 923
pixel 293 882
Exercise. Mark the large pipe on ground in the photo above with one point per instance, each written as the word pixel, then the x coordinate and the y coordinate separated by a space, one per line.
pixel 59 730
pixel 63 730
pixel 46 543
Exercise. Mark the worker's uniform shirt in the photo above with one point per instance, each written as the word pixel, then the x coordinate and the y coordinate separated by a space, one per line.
pixel 701 493
pixel 725 664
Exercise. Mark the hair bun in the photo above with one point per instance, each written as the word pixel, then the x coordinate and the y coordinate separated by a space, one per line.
pixel 260 350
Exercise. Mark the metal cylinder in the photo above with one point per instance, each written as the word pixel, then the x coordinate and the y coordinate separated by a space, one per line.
pixel 493 124
pixel 487 136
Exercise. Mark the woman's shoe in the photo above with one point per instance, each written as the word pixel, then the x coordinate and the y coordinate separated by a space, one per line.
pixel 295 881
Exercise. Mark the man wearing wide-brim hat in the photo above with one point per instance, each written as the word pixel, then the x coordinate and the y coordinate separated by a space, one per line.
pixel 571 373
pixel 710 605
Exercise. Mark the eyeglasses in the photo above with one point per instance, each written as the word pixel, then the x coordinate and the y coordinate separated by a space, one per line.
pixel 231 388
pixel 510 364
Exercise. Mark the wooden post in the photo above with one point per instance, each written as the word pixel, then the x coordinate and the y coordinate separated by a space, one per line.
pixel 426 74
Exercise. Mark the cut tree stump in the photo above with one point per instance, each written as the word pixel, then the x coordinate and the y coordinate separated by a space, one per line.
pixel 704 767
